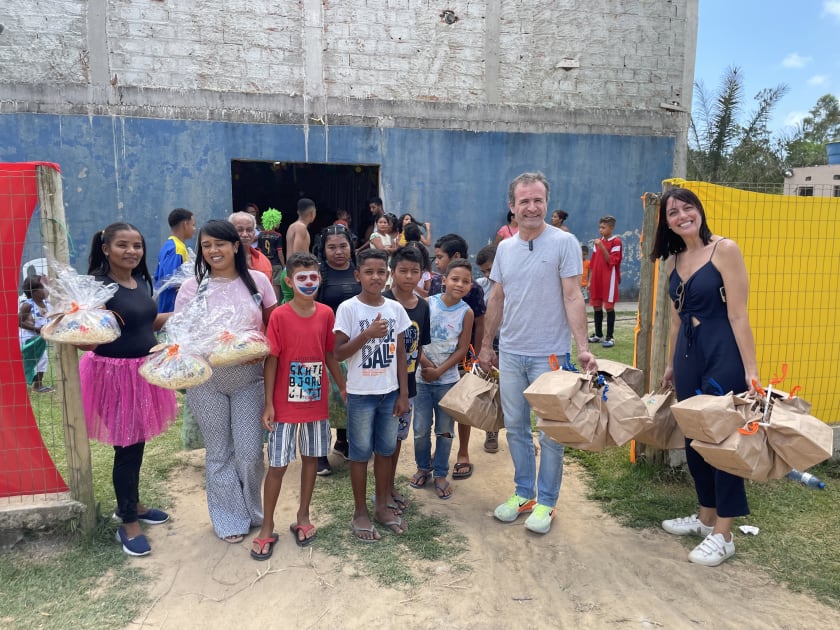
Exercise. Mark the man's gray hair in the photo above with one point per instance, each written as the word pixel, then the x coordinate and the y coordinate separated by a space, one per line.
pixel 243 215
pixel 527 178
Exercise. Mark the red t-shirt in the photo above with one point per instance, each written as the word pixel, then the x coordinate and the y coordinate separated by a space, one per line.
pixel 301 345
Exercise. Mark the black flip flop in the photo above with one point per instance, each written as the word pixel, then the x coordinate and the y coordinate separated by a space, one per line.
pixel 462 470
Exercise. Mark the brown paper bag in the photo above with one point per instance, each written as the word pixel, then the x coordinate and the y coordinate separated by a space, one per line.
pixel 600 441
pixel 798 438
pixel 709 418
pixel 581 428
pixel 662 431
pixel 634 377
pixel 627 413
pixel 474 400
pixel 745 455
pixel 552 393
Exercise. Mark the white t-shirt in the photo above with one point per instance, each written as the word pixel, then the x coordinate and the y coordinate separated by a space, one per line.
pixel 226 292
pixel 534 316
pixel 447 322
pixel 373 368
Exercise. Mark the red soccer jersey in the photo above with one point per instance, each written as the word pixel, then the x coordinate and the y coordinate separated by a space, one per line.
pixel 604 271
pixel 301 345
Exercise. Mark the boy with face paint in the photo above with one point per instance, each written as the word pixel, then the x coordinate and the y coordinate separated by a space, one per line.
pixel 301 337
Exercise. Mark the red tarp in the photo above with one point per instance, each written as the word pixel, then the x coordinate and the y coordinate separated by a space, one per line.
pixel 25 464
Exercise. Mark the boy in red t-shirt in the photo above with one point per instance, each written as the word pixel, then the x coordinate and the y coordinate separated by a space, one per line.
pixel 604 277
pixel 301 337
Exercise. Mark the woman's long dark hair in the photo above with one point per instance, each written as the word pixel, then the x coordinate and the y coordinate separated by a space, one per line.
pixel 98 264
pixel 335 230
pixel 224 231
pixel 665 242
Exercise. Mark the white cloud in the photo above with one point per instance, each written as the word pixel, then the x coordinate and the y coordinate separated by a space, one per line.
pixel 794 118
pixel 832 7
pixel 795 60
pixel 818 79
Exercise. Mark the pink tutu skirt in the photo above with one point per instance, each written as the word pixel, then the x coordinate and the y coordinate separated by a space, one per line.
pixel 121 407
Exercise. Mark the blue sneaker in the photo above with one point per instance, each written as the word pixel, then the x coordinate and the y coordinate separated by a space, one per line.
pixel 137 546
pixel 152 516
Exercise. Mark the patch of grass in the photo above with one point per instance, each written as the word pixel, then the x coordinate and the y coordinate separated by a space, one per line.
pixel 395 560
pixel 64 579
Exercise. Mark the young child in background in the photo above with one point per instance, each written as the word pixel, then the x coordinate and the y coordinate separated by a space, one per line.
pixel 301 336
pixel 584 279
pixel 173 254
pixel 605 276
pixel 369 334
pixel 448 248
pixel 406 268
pixel 451 324
pixel 484 259
pixel 31 317
pixel 412 236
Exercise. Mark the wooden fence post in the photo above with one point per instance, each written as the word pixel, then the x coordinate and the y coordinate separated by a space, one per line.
pixel 80 472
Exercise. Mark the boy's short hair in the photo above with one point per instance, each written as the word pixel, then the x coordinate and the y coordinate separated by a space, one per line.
pixel 452 244
pixel 485 254
pixel 407 253
pixel 303 206
pixel 301 260
pixel 178 215
pixel 375 200
pixel 30 284
pixel 458 263
pixel 608 219
pixel 371 254
pixel 584 249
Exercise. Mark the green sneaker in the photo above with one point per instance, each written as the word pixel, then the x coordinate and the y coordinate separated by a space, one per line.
pixel 510 510
pixel 540 520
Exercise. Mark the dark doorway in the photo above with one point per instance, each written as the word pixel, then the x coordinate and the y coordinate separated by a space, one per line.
pixel 331 186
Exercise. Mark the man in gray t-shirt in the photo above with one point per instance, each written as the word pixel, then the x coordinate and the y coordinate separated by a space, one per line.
pixel 536 304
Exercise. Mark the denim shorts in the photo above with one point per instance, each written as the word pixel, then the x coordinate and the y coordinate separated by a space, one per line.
pixel 313 439
pixel 371 425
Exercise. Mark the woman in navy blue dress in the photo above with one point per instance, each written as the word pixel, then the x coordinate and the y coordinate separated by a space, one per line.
pixel 712 352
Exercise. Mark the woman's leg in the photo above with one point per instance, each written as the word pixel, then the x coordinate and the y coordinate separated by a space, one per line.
pixel 247 406
pixel 126 479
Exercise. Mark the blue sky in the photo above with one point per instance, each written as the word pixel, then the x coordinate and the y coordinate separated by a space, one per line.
pixel 772 42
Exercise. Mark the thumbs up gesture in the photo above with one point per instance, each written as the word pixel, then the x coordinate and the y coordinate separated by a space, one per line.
pixel 378 327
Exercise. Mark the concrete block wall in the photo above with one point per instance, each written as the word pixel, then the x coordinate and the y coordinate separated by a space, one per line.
pixel 499 64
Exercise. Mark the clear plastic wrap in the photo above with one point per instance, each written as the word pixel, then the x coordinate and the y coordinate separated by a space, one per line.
pixel 235 343
pixel 179 363
pixel 179 276
pixel 77 315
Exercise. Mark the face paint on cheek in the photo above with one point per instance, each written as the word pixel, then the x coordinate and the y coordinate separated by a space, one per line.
pixel 307 283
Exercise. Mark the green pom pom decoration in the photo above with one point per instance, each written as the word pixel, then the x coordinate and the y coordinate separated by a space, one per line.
pixel 271 218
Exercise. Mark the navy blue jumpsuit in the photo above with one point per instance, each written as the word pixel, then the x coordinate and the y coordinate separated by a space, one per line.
pixel 707 360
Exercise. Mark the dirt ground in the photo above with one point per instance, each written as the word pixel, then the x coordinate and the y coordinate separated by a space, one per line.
pixel 588 572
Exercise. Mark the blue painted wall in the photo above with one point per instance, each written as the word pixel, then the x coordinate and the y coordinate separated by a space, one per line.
pixel 138 169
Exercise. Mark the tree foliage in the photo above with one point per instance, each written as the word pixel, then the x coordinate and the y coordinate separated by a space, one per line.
pixel 806 146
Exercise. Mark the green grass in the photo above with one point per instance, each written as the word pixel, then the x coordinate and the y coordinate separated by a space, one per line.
pixel 61 578
pixel 402 560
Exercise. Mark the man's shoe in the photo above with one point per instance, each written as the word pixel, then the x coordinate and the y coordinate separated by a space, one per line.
pixel 324 468
pixel 609 342
pixel 713 551
pixel 491 442
pixel 510 510
pixel 137 546
pixel 540 520
pixel 687 526
pixel 594 338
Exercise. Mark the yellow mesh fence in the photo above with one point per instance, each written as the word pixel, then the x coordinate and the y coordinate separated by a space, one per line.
pixel 792 255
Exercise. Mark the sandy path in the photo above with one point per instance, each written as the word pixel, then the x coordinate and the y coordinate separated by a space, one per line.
pixel 588 572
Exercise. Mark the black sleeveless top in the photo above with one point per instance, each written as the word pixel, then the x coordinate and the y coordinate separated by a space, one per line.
pixel 136 312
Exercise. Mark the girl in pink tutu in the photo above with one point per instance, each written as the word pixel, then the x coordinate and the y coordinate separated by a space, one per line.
pixel 121 407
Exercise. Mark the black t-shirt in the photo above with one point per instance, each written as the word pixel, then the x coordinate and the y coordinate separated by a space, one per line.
pixel 136 312
pixel 417 336
pixel 337 286
pixel 270 244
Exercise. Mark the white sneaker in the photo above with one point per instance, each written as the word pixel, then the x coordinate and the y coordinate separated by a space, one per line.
pixel 713 550
pixel 687 525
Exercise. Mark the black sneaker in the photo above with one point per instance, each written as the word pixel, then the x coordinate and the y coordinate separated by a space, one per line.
pixel 342 448
pixel 324 468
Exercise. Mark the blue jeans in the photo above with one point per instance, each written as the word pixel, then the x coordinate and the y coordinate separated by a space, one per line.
pixel 516 373
pixel 371 425
pixel 426 402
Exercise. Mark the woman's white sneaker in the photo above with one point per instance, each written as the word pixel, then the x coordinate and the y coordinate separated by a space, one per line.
pixel 713 550
pixel 687 526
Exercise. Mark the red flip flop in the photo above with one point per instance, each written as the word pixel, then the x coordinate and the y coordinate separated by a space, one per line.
pixel 263 542
pixel 296 529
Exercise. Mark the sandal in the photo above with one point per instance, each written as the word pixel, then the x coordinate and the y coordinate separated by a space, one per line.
pixel 234 538
pixel 462 470
pixel 264 547
pixel 445 491
pixel 420 478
